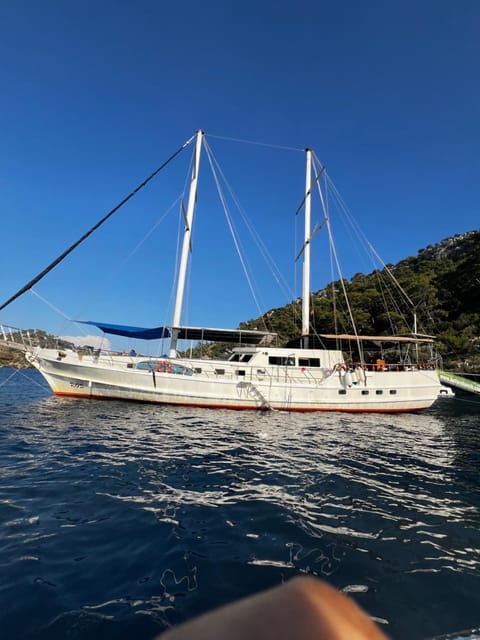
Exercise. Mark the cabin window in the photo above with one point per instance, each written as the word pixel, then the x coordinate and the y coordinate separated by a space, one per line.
pixel 282 361
pixel 342 392
pixel 220 372
pixel 240 372
pixel 198 370
pixel 379 392
pixel 147 365
pixel 365 392
pixel 393 392
pixel 240 357
pixel 180 369
pixel 309 362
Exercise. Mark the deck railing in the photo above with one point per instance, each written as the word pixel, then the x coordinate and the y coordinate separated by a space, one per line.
pixel 398 366
pixel 16 338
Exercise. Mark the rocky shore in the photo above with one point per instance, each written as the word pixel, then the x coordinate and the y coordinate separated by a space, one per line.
pixel 13 358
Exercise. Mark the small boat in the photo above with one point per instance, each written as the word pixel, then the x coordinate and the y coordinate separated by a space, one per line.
pixel 311 374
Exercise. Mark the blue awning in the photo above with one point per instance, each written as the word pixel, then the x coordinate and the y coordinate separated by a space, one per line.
pixel 131 332
pixel 238 336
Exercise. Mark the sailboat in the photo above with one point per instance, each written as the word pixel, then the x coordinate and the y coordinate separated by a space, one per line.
pixel 312 374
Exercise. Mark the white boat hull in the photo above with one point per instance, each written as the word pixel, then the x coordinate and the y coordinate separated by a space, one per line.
pixel 218 384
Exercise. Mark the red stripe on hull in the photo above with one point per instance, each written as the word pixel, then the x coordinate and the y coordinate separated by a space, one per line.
pixel 235 407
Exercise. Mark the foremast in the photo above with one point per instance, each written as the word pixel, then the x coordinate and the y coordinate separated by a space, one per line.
pixel 306 253
pixel 182 271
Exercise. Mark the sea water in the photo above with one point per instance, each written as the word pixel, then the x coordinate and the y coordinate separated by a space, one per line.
pixel 118 520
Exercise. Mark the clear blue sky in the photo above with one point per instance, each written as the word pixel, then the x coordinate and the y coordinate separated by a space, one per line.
pixel 95 95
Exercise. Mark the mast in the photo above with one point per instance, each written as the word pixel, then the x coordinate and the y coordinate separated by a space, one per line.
pixel 306 254
pixel 182 271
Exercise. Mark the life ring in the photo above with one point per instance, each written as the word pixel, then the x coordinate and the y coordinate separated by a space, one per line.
pixel 164 366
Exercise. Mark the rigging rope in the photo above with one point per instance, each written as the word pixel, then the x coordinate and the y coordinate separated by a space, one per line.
pixel 49 304
pixel 61 257
pixel 15 371
pixel 254 142
pixel 264 252
pixel 43 386
pixel 375 258
pixel 232 230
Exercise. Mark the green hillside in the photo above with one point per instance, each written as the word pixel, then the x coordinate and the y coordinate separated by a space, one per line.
pixel 442 282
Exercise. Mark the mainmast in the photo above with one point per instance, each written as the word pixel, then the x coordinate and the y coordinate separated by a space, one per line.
pixel 306 254
pixel 182 271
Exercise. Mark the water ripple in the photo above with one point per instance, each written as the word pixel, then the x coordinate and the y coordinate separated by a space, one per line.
pixel 121 519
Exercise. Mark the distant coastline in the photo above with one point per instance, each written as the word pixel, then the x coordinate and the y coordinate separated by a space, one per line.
pixel 13 358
